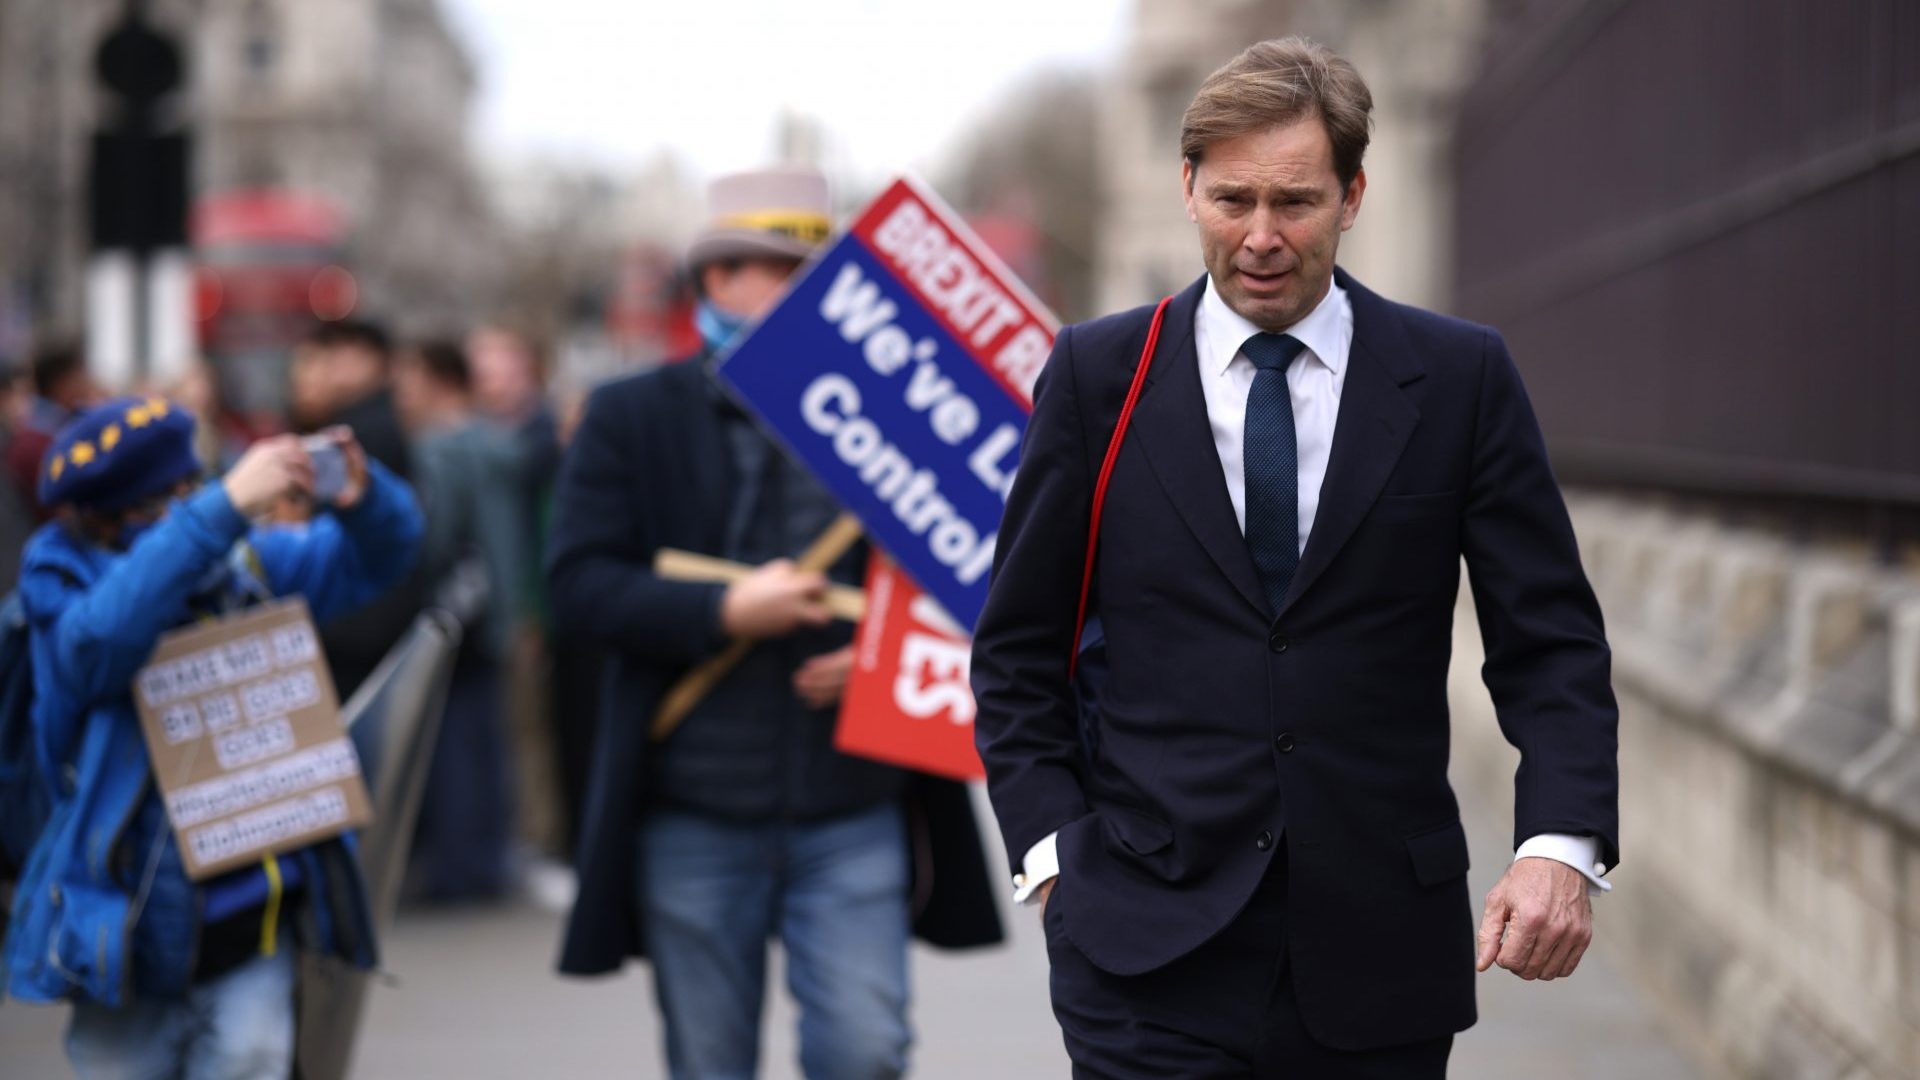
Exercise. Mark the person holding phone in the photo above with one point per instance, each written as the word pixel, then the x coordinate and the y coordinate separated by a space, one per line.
pixel 168 976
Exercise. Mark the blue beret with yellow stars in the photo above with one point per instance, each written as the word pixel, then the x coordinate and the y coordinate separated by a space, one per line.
pixel 117 454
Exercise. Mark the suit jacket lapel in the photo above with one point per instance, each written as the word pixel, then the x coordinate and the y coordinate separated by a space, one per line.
pixel 1171 426
pixel 1376 418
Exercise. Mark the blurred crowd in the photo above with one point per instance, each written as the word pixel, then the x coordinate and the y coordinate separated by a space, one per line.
pixel 692 844
pixel 469 424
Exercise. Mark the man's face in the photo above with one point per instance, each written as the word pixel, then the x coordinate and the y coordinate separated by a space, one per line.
pixel 505 378
pixel 748 288
pixel 76 393
pixel 1271 210
pixel 309 391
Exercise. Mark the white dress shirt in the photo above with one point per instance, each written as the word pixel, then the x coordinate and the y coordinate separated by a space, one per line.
pixel 1314 381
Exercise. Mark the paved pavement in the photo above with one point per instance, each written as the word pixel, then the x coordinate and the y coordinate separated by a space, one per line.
pixel 474 999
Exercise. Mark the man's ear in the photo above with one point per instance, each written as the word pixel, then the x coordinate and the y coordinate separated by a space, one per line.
pixel 1350 206
pixel 1186 188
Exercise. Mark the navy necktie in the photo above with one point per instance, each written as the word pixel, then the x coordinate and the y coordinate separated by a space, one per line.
pixel 1272 460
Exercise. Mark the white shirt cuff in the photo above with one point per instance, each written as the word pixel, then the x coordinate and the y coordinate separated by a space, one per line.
pixel 1580 852
pixel 1041 865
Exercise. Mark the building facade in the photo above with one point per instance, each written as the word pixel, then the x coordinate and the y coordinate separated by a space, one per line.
pixel 364 103
pixel 367 104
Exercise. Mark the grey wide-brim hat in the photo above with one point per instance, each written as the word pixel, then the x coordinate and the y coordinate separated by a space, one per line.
pixel 780 213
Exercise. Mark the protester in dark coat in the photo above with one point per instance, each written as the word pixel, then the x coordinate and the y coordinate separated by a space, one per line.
pixel 745 823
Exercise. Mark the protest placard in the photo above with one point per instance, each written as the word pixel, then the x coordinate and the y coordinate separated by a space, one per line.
pixel 898 369
pixel 243 728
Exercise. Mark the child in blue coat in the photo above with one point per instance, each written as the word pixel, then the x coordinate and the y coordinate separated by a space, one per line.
pixel 168 977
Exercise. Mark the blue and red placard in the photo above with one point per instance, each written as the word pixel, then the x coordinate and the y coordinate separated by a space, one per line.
pixel 907 701
pixel 899 368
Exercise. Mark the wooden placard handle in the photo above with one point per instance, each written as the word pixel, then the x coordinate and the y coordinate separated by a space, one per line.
pixel 825 550
pixel 844 601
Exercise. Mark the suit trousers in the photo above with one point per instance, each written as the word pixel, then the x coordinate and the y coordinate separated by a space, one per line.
pixel 1227 1009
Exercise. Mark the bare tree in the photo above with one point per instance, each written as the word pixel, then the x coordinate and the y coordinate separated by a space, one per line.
pixel 1035 159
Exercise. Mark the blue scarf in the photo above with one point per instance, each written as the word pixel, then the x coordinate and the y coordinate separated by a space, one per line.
pixel 717 328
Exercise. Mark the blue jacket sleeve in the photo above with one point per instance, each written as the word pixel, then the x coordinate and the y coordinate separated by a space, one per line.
pixel 600 562
pixel 346 558
pixel 105 631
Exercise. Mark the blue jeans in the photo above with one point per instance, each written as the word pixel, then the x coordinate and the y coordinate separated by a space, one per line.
pixel 238 1026
pixel 835 892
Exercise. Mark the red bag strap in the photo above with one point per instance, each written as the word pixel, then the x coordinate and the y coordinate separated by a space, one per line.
pixel 1106 471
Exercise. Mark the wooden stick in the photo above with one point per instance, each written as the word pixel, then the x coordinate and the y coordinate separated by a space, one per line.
pixel 845 601
pixel 825 550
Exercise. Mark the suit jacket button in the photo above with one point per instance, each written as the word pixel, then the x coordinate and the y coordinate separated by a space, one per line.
pixel 1285 742
pixel 1265 842
pixel 1278 642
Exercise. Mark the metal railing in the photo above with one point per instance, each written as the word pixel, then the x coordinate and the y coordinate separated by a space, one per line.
pixel 394 719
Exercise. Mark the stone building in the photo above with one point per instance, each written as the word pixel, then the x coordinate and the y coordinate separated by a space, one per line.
pixel 362 102
pixel 49 105
pixel 366 103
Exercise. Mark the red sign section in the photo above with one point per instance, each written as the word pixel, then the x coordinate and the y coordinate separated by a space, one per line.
pixel 908 702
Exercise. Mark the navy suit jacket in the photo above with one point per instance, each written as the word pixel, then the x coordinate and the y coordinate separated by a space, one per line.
pixel 1226 731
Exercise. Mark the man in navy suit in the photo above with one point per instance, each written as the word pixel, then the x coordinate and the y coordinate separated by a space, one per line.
pixel 1247 855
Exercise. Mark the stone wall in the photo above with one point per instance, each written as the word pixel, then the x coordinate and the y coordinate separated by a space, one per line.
pixel 1769 893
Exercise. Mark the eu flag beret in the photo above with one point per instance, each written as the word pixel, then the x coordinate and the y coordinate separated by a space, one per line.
pixel 117 454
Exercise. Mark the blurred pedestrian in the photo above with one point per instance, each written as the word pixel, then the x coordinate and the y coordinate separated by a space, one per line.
pixel 545 711
pixel 1261 870
pixel 351 361
pixel 221 433
pixel 465 466
pixel 745 824
pixel 342 376
pixel 62 387
pixel 309 391
pixel 169 977
pixel 510 387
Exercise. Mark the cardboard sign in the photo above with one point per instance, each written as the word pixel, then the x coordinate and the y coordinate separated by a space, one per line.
pixel 907 700
pixel 243 729
pixel 898 370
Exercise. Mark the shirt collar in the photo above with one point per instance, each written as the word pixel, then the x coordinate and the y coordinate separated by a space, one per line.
pixel 1326 331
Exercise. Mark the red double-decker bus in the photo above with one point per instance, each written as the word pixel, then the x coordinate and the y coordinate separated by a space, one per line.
pixel 271 263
